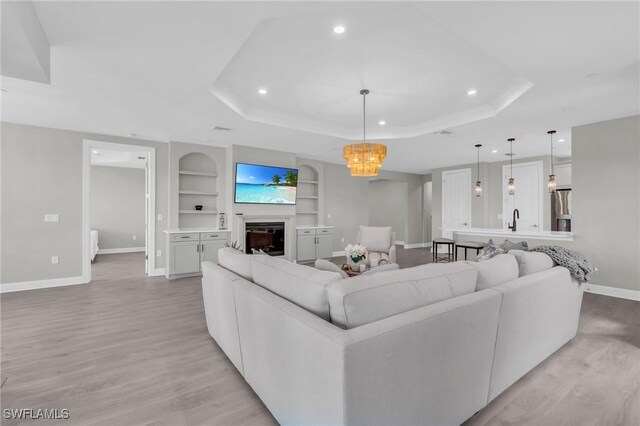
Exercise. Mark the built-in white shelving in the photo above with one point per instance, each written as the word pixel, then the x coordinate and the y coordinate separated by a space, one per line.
pixel 198 186
pixel 194 173
pixel 308 196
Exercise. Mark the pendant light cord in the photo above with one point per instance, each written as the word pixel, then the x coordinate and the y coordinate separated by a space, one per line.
pixel 551 134
pixel 511 157
pixel 364 117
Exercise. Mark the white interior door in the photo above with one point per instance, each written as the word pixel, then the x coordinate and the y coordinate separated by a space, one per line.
pixel 456 199
pixel 528 198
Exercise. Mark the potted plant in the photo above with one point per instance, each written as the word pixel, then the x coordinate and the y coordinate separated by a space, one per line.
pixel 356 254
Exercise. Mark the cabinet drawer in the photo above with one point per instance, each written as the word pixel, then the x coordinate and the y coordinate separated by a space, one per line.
pixel 213 236
pixel 185 237
pixel 307 231
pixel 324 231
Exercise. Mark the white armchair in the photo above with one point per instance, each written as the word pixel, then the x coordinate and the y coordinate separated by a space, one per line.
pixel 380 242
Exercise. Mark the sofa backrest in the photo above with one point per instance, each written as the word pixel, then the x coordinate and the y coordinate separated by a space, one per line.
pixel 497 270
pixel 530 262
pixel 364 299
pixel 303 285
pixel 236 262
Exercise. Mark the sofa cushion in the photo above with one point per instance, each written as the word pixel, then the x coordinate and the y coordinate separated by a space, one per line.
pixel 372 297
pixel 530 262
pixel 303 285
pixel 497 270
pixel 376 238
pixel 236 262
pixel 382 268
pixel 325 265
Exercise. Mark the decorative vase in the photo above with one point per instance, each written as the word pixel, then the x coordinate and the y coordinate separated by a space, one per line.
pixel 198 207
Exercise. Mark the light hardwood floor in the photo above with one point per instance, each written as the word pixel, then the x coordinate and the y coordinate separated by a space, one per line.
pixel 127 349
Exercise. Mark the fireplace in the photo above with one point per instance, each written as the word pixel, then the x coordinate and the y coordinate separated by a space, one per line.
pixel 265 236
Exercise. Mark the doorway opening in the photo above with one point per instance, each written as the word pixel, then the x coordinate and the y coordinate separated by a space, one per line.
pixel 118 209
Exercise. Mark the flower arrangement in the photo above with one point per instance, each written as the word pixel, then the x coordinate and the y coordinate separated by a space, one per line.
pixel 356 252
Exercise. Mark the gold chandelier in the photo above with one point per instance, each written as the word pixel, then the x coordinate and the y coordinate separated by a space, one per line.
pixel 364 159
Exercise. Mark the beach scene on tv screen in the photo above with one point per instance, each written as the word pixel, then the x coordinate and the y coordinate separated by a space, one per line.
pixel 265 184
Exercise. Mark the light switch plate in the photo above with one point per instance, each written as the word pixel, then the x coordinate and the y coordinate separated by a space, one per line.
pixel 54 260
pixel 160 218
pixel 50 217
pixel 158 253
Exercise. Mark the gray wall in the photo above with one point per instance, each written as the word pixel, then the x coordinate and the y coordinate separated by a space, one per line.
pixel 118 206
pixel 346 203
pixel 41 172
pixel 606 200
pixel 388 206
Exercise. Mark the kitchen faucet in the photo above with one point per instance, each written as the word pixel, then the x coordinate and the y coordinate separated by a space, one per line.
pixel 513 227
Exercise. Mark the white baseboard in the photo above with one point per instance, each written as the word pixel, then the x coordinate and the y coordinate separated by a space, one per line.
pixel 402 243
pixel 338 253
pixel 33 285
pixel 621 293
pixel 158 272
pixel 121 250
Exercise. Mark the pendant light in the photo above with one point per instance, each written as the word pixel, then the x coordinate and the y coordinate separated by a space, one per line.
pixel 478 183
pixel 364 159
pixel 551 184
pixel 511 185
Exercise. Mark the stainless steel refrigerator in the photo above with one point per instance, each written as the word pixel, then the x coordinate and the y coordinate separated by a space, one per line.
pixel 561 210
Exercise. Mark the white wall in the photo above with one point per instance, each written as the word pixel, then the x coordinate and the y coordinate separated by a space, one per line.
pixel 118 206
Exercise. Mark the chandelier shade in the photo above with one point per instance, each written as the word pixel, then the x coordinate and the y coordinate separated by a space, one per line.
pixel 511 184
pixel 364 159
pixel 478 189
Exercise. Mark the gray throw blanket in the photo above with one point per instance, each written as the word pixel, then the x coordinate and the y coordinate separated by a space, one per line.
pixel 577 265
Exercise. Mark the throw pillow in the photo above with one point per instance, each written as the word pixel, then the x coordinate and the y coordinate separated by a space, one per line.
pixel 325 265
pixel 508 245
pixel 488 251
pixel 376 238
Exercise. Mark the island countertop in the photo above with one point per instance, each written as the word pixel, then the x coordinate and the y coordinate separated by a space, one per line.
pixel 505 233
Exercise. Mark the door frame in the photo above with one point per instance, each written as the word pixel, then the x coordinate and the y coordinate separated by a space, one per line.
pixel 505 193
pixel 150 238
pixel 445 173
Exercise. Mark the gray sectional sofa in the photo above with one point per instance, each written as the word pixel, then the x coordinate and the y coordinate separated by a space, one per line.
pixel 431 344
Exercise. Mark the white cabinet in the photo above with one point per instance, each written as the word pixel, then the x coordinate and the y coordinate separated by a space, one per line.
pixel 314 243
pixel 187 251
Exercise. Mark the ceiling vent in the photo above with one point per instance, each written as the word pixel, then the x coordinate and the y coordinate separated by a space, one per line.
pixel 443 132
pixel 221 129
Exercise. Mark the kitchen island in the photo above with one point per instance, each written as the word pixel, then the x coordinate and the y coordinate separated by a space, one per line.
pixel 455 233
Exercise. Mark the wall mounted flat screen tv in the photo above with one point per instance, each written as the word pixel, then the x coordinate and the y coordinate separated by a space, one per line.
pixel 256 184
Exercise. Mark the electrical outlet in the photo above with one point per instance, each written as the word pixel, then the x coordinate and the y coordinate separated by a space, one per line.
pixel 135 237
pixel 329 216
pixel 342 239
pixel 54 260
pixel 49 217
pixel 499 215
pixel 158 253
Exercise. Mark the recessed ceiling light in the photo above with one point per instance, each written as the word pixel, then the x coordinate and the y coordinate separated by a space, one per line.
pixel 339 29
pixel 560 140
pixel 471 92
pixel 94 151
pixel 382 123
pixel 262 91
pixel 494 151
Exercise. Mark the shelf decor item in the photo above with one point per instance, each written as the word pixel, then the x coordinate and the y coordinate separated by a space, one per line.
pixel 511 185
pixel 478 189
pixel 198 207
pixel 356 254
pixel 551 184
pixel 364 159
